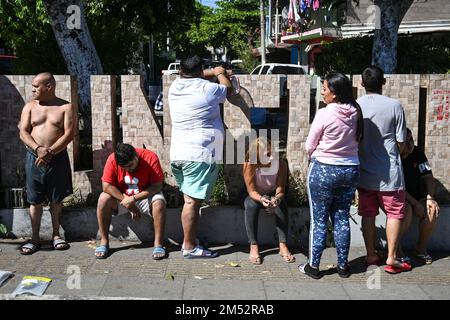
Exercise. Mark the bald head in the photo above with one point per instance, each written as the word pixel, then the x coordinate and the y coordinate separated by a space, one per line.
pixel 44 86
pixel 46 78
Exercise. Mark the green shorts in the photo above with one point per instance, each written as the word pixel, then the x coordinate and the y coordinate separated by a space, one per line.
pixel 195 179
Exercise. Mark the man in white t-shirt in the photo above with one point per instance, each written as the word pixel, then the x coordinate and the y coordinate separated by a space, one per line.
pixel 197 141
pixel 381 183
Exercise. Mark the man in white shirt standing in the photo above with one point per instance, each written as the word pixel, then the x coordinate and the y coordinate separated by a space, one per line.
pixel 197 141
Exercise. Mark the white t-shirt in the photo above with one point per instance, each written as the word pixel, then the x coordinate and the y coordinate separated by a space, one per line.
pixel 197 127
pixel 384 126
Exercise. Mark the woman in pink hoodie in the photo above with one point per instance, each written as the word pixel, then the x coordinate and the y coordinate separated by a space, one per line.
pixel 333 174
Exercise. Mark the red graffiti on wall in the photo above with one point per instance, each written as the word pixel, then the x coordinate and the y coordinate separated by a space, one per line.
pixel 440 104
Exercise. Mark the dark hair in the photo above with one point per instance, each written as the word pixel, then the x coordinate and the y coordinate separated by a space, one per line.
pixel 124 154
pixel 341 86
pixel 372 78
pixel 191 66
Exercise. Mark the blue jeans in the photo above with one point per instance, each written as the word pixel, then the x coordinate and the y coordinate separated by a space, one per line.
pixel 330 191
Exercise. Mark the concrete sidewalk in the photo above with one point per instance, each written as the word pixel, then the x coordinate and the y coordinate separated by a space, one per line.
pixel 130 273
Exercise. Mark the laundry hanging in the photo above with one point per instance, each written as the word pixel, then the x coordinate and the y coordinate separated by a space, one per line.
pixel 293 15
pixel 316 5
pixel 303 5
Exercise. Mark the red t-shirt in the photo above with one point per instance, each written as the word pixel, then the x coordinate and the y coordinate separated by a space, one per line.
pixel 148 172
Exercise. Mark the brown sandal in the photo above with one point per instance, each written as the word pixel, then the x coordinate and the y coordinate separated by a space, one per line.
pixel 255 259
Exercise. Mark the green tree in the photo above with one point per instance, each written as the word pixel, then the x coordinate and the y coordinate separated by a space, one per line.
pixel 233 24
pixel 119 28
pixel 352 55
pixel 25 27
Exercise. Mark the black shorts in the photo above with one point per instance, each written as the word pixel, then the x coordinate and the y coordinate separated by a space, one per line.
pixel 52 182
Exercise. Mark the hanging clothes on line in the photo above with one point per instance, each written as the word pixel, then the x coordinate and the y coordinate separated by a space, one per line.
pixel 316 5
pixel 303 5
pixel 293 15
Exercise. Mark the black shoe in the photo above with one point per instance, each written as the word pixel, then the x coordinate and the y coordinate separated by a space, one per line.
pixel 310 271
pixel 344 272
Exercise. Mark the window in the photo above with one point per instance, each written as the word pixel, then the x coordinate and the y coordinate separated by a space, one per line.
pixel 256 71
pixel 287 70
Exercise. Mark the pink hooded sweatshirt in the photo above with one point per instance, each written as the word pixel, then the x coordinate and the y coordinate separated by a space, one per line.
pixel 333 132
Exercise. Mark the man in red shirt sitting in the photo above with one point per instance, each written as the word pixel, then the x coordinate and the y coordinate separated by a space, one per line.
pixel 132 182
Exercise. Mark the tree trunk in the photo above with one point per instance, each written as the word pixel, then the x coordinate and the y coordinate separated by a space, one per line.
pixel 75 42
pixel 384 52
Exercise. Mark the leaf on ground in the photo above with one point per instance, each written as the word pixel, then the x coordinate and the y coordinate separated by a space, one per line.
pixel 219 265
pixel 92 246
pixel 3 229
pixel 330 266
pixel 91 242
pixel 198 278
pixel 170 276
pixel 233 264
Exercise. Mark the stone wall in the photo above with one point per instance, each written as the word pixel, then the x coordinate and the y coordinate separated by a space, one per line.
pixel 103 99
pixel 437 143
pixel 299 115
pixel 141 128
pixel 12 153
pixel 405 88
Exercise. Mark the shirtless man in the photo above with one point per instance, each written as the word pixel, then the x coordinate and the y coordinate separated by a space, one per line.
pixel 47 126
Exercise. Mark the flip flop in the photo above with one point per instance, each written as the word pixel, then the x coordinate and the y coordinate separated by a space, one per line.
pixel 31 248
pixel 288 257
pixel 102 249
pixel 60 244
pixel 397 269
pixel 159 253
pixel 255 259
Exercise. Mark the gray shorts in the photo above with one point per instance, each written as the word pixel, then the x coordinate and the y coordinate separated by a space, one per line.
pixel 143 205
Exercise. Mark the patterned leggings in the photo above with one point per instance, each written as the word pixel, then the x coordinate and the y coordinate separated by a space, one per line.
pixel 330 191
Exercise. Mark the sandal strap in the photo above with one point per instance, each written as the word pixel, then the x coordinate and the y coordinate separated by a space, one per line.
pixel 59 241
pixel 102 249
pixel 29 246
pixel 159 250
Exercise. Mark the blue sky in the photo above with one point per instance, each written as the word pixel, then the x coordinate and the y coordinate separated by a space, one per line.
pixel 209 3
